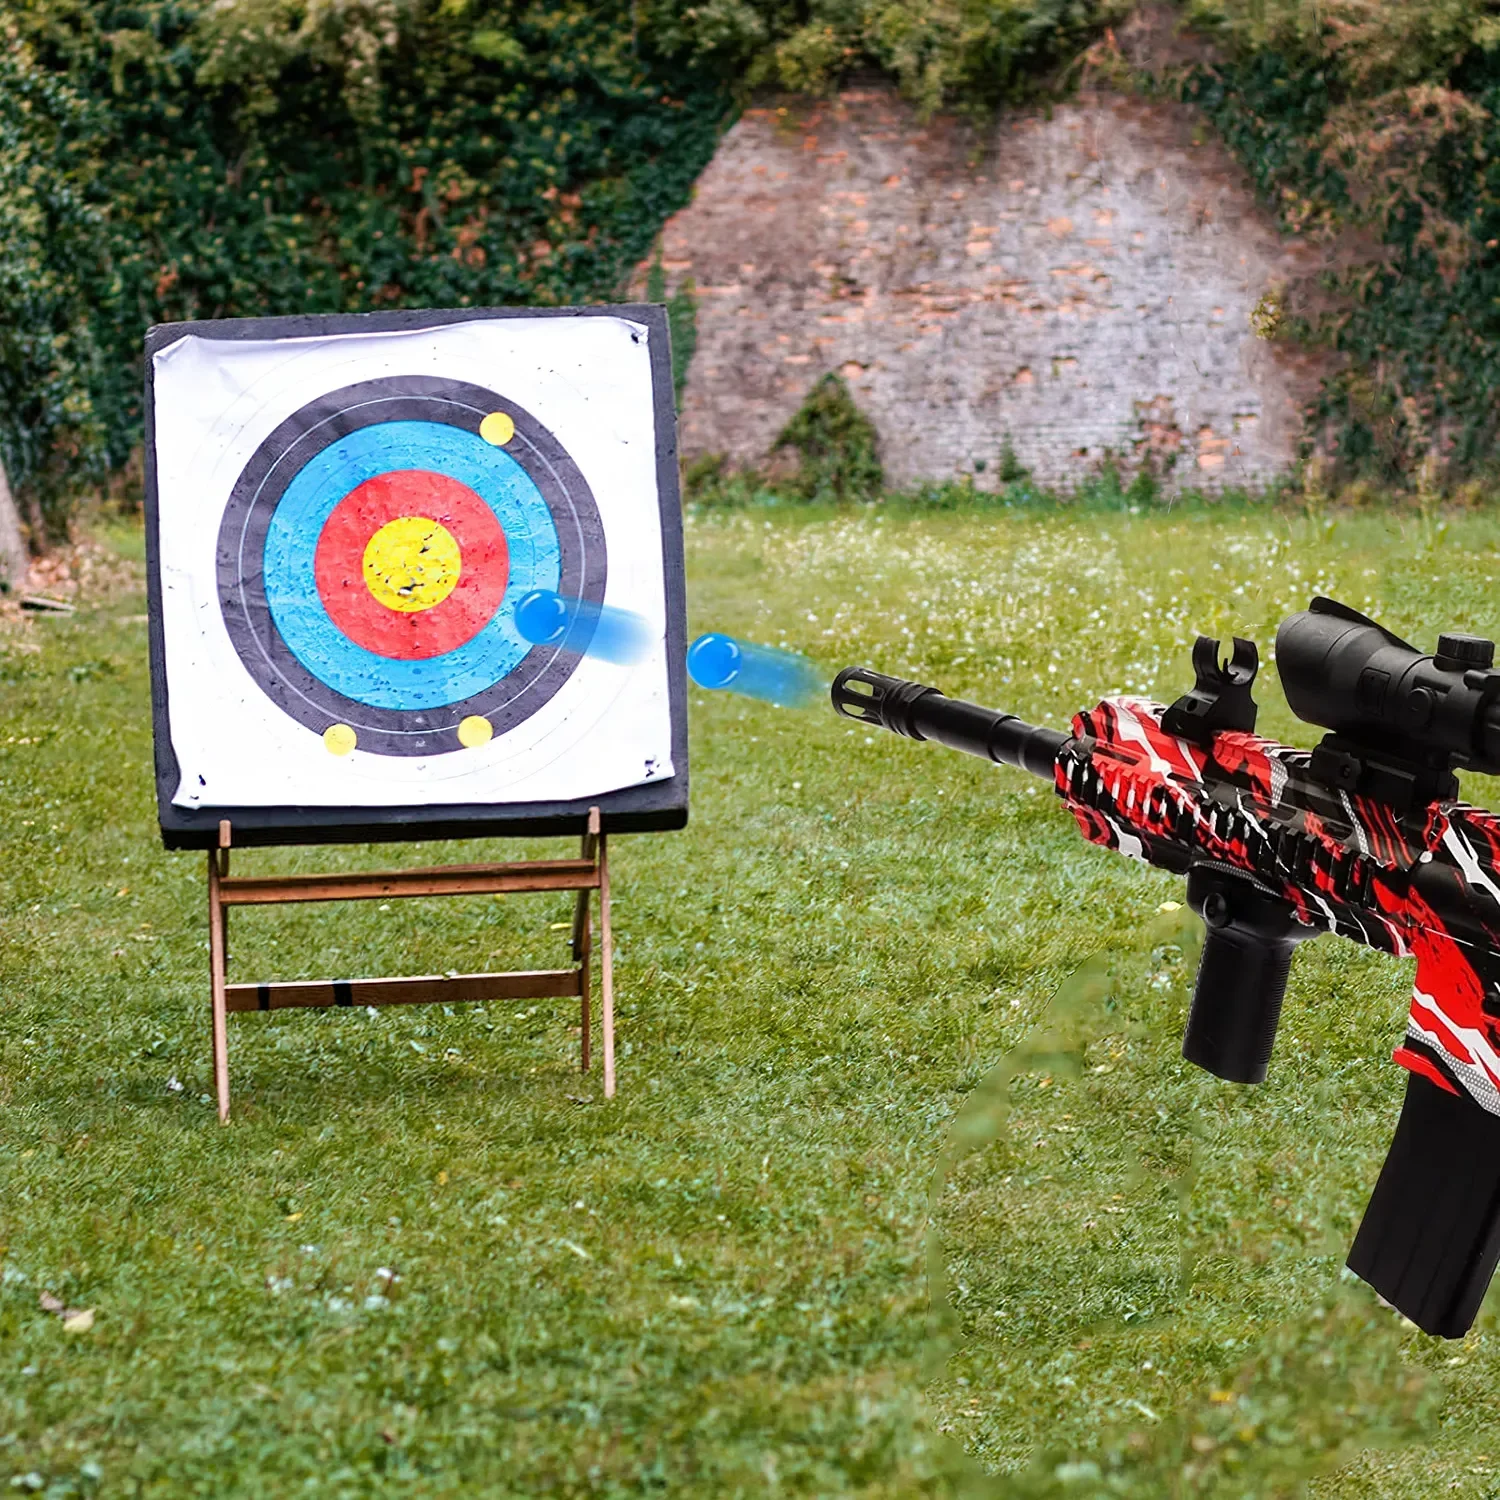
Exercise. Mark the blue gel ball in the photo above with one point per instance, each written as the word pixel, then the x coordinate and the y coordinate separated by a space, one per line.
pixel 541 617
pixel 713 661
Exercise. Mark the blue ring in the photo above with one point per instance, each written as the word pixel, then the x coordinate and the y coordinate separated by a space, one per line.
pixel 291 588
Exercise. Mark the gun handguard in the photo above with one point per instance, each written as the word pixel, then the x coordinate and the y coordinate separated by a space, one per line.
pixel 1278 846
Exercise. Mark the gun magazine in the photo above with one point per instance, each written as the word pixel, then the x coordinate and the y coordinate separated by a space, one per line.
pixel 1430 1237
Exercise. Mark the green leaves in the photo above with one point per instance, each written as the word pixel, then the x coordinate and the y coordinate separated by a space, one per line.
pixel 497 47
pixel 180 159
pixel 1371 130
pixel 836 446
pixel 54 268
pixel 173 161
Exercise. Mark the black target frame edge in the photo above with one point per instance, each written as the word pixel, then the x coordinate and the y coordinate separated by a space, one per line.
pixel 653 807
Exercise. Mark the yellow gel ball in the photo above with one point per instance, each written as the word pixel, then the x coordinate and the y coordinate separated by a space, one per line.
pixel 497 428
pixel 474 732
pixel 340 738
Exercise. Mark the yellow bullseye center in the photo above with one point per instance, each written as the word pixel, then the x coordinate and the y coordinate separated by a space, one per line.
pixel 412 563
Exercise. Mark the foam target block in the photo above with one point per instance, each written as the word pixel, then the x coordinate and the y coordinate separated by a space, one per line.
pixel 343 514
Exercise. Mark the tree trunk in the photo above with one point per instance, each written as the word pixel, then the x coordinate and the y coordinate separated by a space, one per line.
pixel 15 560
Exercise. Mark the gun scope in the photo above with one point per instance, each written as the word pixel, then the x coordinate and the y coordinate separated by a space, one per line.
pixel 923 713
pixel 1342 671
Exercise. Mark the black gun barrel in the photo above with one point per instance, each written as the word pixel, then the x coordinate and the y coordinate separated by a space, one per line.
pixel 923 713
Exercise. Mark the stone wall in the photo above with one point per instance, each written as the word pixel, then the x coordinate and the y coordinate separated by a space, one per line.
pixel 1079 283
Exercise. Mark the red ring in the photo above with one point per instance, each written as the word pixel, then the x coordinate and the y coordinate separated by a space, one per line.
pixel 338 564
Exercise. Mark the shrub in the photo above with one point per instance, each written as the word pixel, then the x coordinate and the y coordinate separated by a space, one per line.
pixel 836 445
pixel 682 320
pixel 56 288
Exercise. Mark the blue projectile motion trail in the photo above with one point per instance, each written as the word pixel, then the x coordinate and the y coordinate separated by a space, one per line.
pixel 715 661
pixel 720 662
pixel 598 630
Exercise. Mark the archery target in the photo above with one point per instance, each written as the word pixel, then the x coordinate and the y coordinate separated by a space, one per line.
pixel 397 523
pixel 345 525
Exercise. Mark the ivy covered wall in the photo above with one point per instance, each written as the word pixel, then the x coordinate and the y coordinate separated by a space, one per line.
pixel 215 158
pixel 1374 129
pixel 183 163
pixel 196 158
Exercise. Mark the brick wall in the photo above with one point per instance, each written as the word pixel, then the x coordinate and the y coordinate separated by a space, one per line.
pixel 1081 284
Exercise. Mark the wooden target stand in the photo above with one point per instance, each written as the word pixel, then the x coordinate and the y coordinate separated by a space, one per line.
pixel 588 873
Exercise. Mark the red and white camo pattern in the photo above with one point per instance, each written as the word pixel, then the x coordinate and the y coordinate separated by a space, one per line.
pixel 1425 886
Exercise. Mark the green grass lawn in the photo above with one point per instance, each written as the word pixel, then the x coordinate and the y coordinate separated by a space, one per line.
pixel 426 1258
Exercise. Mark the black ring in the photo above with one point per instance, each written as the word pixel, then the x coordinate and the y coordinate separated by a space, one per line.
pixel 506 703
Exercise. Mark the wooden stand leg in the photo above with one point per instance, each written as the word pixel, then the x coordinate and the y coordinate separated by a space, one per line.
pixel 585 1019
pixel 581 957
pixel 217 932
pixel 606 971
pixel 582 943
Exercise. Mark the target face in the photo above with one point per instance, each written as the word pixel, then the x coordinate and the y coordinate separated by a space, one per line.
pixel 344 517
pixel 372 553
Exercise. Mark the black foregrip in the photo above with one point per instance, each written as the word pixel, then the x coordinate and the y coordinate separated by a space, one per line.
pixel 1236 1008
pixel 1249 935
pixel 1430 1238
pixel 923 713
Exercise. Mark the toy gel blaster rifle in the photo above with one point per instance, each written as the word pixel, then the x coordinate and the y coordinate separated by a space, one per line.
pixel 1363 836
